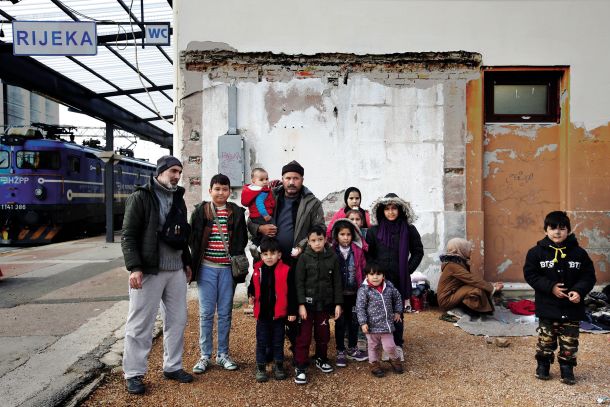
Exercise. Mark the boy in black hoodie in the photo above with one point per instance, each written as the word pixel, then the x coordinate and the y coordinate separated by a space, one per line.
pixel 561 274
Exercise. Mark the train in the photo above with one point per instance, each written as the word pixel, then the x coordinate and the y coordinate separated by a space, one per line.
pixel 53 188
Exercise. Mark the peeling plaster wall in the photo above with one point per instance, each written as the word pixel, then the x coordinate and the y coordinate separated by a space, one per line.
pixel 375 130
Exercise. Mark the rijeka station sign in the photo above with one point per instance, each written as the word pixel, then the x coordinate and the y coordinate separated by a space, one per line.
pixel 54 38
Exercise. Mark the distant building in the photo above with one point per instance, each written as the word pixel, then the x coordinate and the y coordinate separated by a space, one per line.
pixel 20 107
pixel 485 115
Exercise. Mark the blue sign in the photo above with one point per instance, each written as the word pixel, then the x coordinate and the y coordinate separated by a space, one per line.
pixel 54 38
pixel 156 33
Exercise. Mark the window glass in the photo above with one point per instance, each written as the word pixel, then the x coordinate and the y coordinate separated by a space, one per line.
pixel 74 163
pixel 520 99
pixel 4 159
pixel 38 160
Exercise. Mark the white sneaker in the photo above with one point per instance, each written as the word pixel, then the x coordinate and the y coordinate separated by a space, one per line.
pixel 384 356
pixel 300 376
pixel 225 361
pixel 202 365
pixel 400 353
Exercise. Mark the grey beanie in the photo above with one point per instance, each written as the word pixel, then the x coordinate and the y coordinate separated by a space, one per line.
pixel 166 162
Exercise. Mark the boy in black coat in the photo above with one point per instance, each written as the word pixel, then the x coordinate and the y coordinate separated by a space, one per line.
pixel 562 274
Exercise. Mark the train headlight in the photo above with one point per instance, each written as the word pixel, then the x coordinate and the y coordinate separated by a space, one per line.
pixel 40 192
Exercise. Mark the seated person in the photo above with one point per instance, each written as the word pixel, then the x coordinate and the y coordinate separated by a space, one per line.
pixel 458 287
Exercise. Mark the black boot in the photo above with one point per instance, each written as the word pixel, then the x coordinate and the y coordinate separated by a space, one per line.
pixel 261 373
pixel 542 371
pixel 567 374
pixel 278 371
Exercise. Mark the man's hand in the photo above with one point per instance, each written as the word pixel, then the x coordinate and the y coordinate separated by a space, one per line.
pixel 559 291
pixel 574 297
pixel 337 311
pixel 365 328
pixel 499 286
pixel 189 274
pixel 268 230
pixel 303 312
pixel 135 280
pixel 296 252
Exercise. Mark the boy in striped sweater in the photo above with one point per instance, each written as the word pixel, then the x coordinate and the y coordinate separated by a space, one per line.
pixel 212 222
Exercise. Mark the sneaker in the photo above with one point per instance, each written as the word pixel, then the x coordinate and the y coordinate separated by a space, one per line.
pixel 202 365
pixel 357 355
pixel 300 376
pixel 178 375
pixel 225 361
pixel 278 371
pixel 384 356
pixel 567 374
pixel 323 365
pixel 341 359
pixel 400 354
pixel 376 369
pixel 135 385
pixel 261 373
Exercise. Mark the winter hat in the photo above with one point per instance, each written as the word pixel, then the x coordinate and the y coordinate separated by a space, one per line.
pixel 391 198
pixel 293 166
pixel 166 162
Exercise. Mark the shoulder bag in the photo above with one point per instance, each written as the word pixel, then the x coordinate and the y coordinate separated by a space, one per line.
pixel 239 263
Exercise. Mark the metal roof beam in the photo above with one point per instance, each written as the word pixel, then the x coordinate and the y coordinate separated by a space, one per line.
pixel 30 74
pixel 133 91
pixel 150 119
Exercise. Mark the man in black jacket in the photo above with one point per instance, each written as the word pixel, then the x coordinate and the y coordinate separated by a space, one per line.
pixel 158 273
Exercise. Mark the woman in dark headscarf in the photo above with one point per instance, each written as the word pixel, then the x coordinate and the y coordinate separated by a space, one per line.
pixel 458 287
pixel 352 198
pixel 395 245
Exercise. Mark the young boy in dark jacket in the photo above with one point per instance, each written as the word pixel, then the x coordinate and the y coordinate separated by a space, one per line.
pixel 319 290
pixel 269 293
pixel 562 274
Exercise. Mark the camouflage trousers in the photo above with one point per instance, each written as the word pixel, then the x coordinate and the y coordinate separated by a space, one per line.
pixel 549 333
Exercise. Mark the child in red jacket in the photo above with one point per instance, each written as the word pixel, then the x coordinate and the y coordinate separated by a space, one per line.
pixel 258 198
pixel 268 291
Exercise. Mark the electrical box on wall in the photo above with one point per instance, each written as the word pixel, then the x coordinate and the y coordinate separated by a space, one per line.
pixel 231 158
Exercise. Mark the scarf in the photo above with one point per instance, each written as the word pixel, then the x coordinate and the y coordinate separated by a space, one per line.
pixel 385 235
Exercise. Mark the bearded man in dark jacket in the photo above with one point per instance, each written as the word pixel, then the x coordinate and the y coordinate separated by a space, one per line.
pixel 159 272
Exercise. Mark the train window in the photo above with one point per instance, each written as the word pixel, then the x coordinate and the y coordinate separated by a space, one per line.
pixel 4 159
pixel 120 172
pixel 38 160
pixel 98 168
pixel 74 163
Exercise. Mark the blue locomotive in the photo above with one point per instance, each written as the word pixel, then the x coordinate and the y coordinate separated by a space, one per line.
pixel 51 186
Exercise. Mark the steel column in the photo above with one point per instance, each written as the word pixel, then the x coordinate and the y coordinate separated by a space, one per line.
pixel 108 185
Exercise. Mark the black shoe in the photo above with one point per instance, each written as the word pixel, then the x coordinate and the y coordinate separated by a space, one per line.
pixel 542 370
pixel 135 385
pixel 261 373
pixel 278 371
pixel 567 374
pixel 178 375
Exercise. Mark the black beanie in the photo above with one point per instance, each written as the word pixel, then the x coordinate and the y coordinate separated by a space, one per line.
pixel 166 162
pixel 293 166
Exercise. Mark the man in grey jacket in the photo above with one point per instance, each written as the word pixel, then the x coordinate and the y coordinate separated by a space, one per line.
pixel 159 273
pixel 297 210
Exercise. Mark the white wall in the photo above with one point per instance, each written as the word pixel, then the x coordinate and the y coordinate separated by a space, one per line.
pixel 509 32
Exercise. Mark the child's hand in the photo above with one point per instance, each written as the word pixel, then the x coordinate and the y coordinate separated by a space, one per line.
pixel 397 317
pixel 303 312
pixel 337 311
pixel 250 301
pixel 296 251
pixel 267 218
pixel 559 291
pixel 292 318
pixel 574 297
pixel 365 328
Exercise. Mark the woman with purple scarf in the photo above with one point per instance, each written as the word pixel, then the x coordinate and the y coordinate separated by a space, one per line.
pixel 395 245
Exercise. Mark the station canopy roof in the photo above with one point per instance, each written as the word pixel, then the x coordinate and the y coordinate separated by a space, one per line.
pixel 119 73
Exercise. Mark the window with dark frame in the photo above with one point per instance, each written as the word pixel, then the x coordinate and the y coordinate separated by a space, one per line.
pixel 522 96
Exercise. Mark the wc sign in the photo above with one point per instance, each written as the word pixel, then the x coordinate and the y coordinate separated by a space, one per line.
pixel 156 33
pixel 54 38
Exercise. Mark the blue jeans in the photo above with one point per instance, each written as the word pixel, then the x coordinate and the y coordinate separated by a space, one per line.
pixel 270 336
pixel 215 287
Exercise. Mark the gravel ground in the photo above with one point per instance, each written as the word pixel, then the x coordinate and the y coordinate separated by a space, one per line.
pixel 444 366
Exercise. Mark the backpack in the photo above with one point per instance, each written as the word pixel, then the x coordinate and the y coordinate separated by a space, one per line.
pixel 176 229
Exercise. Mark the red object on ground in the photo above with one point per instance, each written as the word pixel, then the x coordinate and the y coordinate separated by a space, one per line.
pixel 416 303
pixel 522 307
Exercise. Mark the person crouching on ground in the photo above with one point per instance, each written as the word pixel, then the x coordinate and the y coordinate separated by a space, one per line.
pixel 378 306
pixel 347 244
pixel 458 286
pixel 561 274
pixel 268 291
pixel 212 268
pixel 319 289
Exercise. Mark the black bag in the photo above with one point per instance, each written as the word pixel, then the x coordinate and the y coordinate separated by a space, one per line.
pixel 176 229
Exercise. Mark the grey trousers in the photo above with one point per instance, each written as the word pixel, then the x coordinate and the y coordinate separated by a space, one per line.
pixel 168 288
